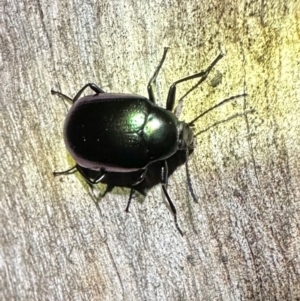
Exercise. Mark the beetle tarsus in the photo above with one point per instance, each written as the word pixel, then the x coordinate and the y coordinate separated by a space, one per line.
pixel 61 95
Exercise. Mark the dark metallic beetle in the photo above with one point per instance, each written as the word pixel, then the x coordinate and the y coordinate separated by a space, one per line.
pixel 122 133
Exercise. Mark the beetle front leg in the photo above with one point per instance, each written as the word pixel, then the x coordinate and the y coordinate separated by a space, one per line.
pixel 164 180
pixel 153 78
pixel 202 74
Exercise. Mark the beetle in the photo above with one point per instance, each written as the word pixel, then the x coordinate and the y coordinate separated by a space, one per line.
pixel 108 133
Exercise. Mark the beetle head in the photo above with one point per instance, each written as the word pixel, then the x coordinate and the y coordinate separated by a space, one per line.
pixel 185 136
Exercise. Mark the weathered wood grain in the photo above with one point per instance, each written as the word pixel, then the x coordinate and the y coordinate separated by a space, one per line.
pixel 242 237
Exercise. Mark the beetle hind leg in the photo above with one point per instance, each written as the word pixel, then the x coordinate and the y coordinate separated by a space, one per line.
pixel 92 177
pixel 93 86
pixel 61 95
pixel 69 171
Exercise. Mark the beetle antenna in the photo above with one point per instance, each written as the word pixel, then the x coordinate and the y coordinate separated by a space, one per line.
pixel 216 106
pixel 226 120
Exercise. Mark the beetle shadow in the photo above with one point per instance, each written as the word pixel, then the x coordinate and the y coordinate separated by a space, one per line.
pixel 153 173
pixel 152 176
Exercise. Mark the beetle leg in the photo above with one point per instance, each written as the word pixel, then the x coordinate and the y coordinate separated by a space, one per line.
pixel 141 179
pixel 153 78
pixel 84 173
pixel 65 172
pixel 202 74
pixel 94 87
pixel 109 188
pixel 129 200
pixel 95 180
pixel 62 95
pixel 164 180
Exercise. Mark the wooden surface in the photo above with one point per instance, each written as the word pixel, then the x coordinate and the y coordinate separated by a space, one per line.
pixel 242 237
